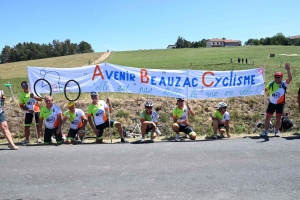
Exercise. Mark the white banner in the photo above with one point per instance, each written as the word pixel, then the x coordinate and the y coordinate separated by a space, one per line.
pixel 191 84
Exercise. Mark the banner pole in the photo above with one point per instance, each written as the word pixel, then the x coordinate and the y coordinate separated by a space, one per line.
pixel 265 97
pixel 108 111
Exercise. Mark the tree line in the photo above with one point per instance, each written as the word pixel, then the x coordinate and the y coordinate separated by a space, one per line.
pixel 31 51
pixel 278 39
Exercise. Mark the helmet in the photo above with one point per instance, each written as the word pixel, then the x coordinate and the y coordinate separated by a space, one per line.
pixel 148 103
pixel 222 105
pixel 180 99
pixel 278 74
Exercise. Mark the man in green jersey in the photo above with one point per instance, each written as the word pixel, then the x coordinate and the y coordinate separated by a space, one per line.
pixel 218 118
pixel 180 120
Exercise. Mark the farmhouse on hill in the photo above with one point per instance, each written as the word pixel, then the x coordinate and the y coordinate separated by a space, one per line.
pixel 223 42
pixel 293 39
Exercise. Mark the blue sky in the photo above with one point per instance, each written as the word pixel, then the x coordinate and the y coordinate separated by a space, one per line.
pixel 124 25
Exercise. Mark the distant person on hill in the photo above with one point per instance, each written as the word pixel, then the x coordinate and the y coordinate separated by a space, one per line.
pixel 277 90
pixel 180 120
pixel 239 60
pixel 3 124
pixel 246 60
pixel 149 122
pixel 97 110
pixel 220 120
pixel 51 116
pixel 29 103
pixel 242 60
pixel 230 60
pixel 77 120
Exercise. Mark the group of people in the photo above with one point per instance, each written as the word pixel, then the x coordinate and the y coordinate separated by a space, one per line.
pixel 52 117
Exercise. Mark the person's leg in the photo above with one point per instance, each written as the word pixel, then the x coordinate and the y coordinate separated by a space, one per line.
pixel 118 125
pixel 36 117
pixel 28 121
pixel 175 128
pixel 188 130
pixel 7 135
pixel 100 129
pixel 269 114
pixel 71 136
pixel 47 135
pixel 279 113
pixel 58 137
pixel 215 128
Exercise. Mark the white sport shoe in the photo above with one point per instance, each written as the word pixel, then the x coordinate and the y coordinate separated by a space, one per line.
pixel 186 136
pixel 177 137
pixel 158 131
pixel 277 134
pixel 82 141
pixel 25 141
pixel 215 136
pixel 142 140
pixel 39 141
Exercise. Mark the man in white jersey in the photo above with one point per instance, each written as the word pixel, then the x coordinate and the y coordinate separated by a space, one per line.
pixel 51 115
pixel 3 124
pixel 180 120
pixel 77 121
pixel 149 121
pixel 97 109
pixel 224 127
pixel 277 89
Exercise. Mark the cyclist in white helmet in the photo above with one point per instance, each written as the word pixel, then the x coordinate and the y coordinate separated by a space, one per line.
pixel 180 120
pixel 220 120
pixel 149 122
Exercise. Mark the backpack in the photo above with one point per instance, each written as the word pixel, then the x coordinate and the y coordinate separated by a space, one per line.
pixel 286 123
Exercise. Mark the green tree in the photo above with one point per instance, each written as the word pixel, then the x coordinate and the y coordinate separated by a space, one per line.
pixel 297 43
pixel 85 47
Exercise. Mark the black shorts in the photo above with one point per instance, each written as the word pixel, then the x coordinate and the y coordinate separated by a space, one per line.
pixel 101 128
pixel 299 91
pixel 48 134
pixel 185 129
pixel 2 117
pixel 275 107
pixel 72 133
pixel 29 116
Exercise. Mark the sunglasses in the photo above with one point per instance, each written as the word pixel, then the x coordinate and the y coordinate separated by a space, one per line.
pixel 25 86
pixel 277 76
pixel 148 107
pixel 180 101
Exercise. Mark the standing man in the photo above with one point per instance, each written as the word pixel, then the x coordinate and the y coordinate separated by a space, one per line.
pixel 149 122
pixel 97 109
pixel 277 90
pixel 29 103
pixel 218 118
pixel 77 120
pixel 51 115
pixel 3 124
pixel 180 120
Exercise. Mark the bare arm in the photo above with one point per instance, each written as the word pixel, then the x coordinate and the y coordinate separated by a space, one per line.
pixel 288 69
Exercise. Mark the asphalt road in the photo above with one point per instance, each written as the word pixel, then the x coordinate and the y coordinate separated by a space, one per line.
pixel 244 168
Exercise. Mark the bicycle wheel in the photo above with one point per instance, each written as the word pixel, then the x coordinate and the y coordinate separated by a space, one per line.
pixel 42 87
pixel 165 131
pixel 72 90
pixel 260 127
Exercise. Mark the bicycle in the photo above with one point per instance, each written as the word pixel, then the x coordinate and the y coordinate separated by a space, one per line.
pixel 260 126
pixel 135 130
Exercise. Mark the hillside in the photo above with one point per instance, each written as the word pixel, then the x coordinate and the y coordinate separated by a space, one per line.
pixel 245 111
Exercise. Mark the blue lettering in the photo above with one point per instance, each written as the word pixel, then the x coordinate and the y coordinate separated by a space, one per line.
pixel 187 82
pixel 246 79
pixel 108 75
pixel 132 77
pixel 225 84
pixel 162 81
pixel 177 83
pixel 193 82
pixel 218 80
pixel 240 81
pixel 170 82
pixel 122 76
pixel 153 80
pixel 116 76
pixel 252 80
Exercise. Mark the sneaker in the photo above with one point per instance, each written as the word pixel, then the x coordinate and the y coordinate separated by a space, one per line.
pixel 64 138
pixel 264 134
pixel 186 136
pixel 151 140
pixel 123 140
pixel 215 136
pixel 277 134
pixel 222 136
pixel 142 140
pixel 82 141
pixel 25 141
pixel 177 138
pixel 39 141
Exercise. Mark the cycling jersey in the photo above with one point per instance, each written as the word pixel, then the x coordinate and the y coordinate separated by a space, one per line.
pixel 277 92
pixel 75 118
pixel 26 100
pixel 217 114
pixel 153 117
pixel 226 117
pixel 180 114
pixel 98 112
pixel 50 116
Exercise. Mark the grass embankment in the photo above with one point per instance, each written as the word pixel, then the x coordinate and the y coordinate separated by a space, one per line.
pixel 245 111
